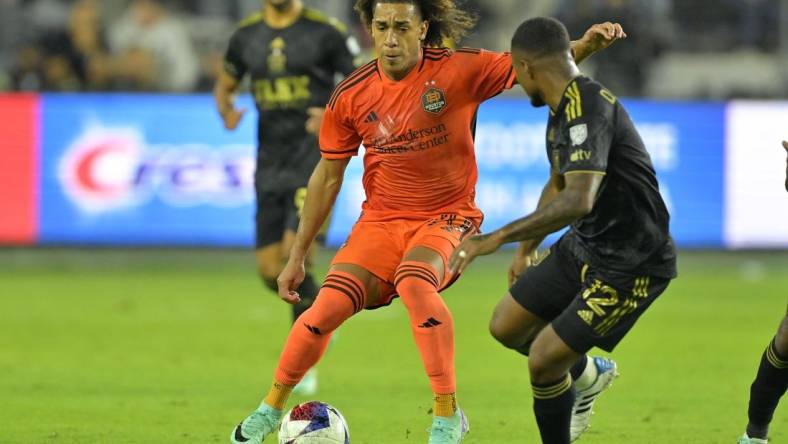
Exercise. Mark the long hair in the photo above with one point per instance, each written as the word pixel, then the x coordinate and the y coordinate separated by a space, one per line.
pixel 446 20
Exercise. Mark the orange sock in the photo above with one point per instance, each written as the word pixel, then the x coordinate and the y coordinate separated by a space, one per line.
pixel 341 295
pixel 431 322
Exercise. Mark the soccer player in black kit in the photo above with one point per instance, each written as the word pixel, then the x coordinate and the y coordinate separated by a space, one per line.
pixel 772 378
pixel 293 55
pixel 616 258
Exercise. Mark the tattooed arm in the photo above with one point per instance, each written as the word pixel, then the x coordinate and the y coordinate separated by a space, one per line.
pixel 574 201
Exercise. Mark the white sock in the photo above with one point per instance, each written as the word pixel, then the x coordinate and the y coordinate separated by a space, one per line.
pixel 587 377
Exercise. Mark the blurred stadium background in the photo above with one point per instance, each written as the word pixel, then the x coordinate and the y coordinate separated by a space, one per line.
pixel 130 311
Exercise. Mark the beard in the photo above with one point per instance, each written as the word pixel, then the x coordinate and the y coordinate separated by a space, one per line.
pixel 537 101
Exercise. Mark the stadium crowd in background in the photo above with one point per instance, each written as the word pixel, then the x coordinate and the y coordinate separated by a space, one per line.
pixel 91 45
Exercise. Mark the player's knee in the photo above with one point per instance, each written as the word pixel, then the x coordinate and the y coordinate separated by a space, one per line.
pixel 341 296
pixel 415 278
pixel 541 367
pixel 513 338
pixel 502 333
pixel 322 319
pixel 413 288
pixel 419 296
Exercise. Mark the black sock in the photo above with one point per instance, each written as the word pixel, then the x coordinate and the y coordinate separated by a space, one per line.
pixel 577 370
pixel 308 292
pixel 766 391
pixel 270 284
pixel 553 409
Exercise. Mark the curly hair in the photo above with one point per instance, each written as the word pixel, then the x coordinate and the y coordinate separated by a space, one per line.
pixel 446 20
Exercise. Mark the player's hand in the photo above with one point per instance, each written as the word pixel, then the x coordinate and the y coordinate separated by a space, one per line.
pixel 289 279
pixel 232 118
pixel 602 35
pixel 315 119
pixel 519 264
pixel 479 245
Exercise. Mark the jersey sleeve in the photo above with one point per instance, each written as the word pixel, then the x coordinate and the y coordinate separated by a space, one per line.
pixel 589 133
pixel 338 137
pixel 491 73
pixel 233 59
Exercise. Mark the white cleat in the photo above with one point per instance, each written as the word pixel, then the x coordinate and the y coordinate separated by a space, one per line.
pixel 747 440
pixel 607 371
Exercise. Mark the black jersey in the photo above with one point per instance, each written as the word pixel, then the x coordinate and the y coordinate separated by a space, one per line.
pixel 291 69
pixel 627 229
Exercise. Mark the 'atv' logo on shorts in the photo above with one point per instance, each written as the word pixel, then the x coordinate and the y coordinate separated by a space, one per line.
pixel 433 100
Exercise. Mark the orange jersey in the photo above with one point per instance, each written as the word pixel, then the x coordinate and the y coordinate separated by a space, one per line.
pixel 417 132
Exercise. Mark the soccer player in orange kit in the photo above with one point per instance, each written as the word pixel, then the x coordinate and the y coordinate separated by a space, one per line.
pixel 414 110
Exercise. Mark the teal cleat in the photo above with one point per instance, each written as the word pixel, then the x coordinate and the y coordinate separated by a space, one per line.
pixel 261 423
pixel 747 440
pixel 607 371
pixel 449 430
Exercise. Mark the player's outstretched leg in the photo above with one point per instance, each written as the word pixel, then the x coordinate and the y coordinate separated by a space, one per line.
pixel 767 389
pixel 341 296
pixel 592 376
pixel 308 292
pixel 549 362
pixel 417 284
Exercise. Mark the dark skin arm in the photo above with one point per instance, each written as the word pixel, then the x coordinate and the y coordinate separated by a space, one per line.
pixel 574 201
pixel 527 249
pixel 223 93
pixel 597 38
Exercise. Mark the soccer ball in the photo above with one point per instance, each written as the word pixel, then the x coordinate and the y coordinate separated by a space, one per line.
pixel 313 422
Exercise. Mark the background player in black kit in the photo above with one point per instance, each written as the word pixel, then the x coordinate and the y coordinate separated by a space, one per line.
pixel 772 378
pixel 617 256
pixel 293 56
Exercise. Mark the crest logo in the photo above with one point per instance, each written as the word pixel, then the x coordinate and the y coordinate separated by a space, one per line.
pixel 277 60
pixel 578 134
pixel 433 100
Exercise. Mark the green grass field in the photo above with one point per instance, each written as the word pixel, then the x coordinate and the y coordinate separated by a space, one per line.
pixel 153 346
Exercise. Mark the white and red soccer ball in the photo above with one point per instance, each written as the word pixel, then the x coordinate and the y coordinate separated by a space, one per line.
pixel 313 422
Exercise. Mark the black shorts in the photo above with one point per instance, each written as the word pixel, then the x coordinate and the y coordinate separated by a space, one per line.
pixel 587 307
pixel 277 212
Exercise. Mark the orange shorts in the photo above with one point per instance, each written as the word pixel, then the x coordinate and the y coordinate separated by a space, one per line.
pixel 379 247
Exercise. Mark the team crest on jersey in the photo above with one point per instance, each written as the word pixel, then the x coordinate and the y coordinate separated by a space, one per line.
pixel 433 100
pixel 277 60
pixel 578 134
